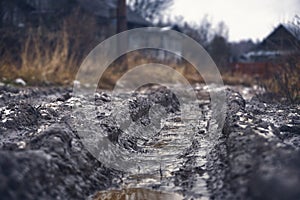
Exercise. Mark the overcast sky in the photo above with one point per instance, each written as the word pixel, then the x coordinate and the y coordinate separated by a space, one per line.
pixel 253 19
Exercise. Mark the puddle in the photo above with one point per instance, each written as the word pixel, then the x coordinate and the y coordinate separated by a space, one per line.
pixel 136 194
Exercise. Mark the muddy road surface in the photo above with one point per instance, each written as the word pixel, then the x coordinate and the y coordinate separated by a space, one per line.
pixel 54 145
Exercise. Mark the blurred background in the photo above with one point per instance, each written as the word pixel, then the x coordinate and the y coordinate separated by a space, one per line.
pixel 43 42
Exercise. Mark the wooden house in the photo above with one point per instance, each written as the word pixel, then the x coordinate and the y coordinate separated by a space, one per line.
pixel 22 13
pixel 271 53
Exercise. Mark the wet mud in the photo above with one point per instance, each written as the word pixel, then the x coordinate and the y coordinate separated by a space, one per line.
pixel 42 155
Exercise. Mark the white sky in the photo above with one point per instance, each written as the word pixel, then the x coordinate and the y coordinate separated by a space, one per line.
pixel 245 19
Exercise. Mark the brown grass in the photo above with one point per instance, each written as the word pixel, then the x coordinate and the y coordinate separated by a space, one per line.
pixel 114 72
pixel 285 82
pixel 239 79
pixel 45 58
pixel 45 55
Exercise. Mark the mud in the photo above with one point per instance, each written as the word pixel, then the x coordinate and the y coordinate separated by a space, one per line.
pixel 258 157
pixel 255 156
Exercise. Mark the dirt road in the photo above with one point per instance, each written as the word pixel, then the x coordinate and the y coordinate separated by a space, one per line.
pixel 255 155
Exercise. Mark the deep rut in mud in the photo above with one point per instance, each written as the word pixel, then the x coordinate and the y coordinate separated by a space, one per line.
pixel 43 154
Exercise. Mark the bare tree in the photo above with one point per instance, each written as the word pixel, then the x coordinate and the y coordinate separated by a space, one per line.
pixel 296 21
pixel 149 9
pixel 219 50
pixel 202 32
pixel 295 28
pixel 222 30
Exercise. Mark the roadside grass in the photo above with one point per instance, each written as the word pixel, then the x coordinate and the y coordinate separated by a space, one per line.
pixel 136 58
pixel 42 55
pixel 285 82
pixel 45 57
pixel 230 78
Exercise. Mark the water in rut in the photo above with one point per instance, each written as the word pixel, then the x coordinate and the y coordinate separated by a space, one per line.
pixel 49 139
pixel 171 156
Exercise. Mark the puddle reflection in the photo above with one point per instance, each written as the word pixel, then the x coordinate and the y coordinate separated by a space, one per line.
pixel 136 194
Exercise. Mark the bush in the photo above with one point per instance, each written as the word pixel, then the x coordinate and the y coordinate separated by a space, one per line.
pixel 285 83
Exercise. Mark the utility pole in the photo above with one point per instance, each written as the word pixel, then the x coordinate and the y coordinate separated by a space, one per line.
pixel 122 26
pixel 121 16
pixel 1 13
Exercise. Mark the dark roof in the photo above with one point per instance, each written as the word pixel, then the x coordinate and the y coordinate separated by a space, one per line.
pixel 293 29
pixel 284 37
pixel 282 41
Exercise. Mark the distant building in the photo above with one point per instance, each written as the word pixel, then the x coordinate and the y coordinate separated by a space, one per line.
pixel 20 13
pixel 280 44
pixel 167 40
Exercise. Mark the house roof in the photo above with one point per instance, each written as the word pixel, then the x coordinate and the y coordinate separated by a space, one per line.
pixel 283 37
pixel 293 29
pixel 282 41
pixel 107 9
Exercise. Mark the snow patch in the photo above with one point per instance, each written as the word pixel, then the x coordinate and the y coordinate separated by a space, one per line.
pixel 20 81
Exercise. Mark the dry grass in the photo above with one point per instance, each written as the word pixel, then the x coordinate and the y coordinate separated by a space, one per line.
pixel 45 58
pixel 44 55
pixel 115 71
pixel 239 79
pixel 285 82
